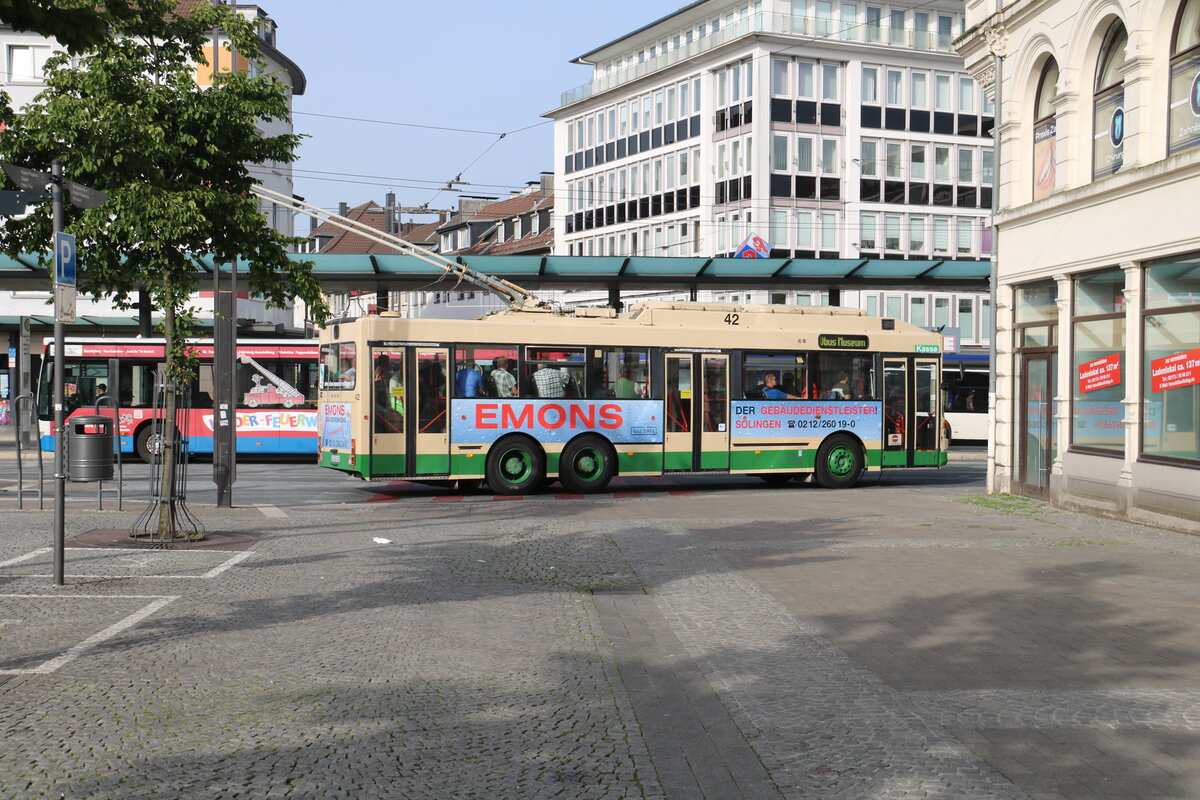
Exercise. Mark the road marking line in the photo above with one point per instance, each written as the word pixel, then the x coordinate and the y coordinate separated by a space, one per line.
pixel 237 559
pixel 73 653
pixel 270 511
pixel 25 557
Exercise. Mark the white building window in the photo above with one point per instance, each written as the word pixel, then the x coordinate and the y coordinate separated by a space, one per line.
pixel 26 62
pixel 867 232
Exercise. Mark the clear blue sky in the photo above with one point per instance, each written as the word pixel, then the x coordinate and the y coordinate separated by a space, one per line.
pixel 480 65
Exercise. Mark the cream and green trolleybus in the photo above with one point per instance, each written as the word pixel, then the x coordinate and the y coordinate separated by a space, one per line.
pixel 525 396
pixel 531 394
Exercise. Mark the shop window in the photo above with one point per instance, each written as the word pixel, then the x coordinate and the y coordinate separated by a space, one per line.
pixel 1171 362
pixel 1109 121
pixel 1098 320
pixel 1185 80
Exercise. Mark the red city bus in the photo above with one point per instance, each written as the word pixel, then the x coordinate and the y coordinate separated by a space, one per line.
pixel 276 381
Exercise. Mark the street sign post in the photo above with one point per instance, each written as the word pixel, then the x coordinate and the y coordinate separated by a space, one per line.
pixel 37 185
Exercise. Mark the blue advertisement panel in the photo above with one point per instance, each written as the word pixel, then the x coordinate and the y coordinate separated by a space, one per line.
pixel 556 421
pixel 787 419
pixel 335 425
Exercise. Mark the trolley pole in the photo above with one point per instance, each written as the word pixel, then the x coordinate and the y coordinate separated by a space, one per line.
pixel 60 477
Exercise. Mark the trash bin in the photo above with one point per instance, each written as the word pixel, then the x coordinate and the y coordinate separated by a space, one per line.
pixel 90 448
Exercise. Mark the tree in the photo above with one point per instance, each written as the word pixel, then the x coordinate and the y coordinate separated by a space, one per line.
pixel 176 160
pixel 76 24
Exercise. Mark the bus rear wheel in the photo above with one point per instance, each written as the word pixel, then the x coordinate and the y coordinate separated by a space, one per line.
pixel 149 443
pixel 839 462
pixel 587 465
pixel 515 466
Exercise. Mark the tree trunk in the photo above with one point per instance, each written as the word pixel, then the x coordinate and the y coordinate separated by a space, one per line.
pixel 166 506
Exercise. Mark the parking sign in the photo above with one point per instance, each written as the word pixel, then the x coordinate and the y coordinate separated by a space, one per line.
pixel 64 259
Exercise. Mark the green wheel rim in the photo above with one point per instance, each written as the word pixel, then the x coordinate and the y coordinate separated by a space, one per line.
pixel 516 466
pixel 588 465
pixel 842 461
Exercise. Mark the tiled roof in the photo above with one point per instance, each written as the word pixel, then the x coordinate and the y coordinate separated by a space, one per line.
pixel 422 234
pixel 344 241
pixel 536 244
pixel 370 213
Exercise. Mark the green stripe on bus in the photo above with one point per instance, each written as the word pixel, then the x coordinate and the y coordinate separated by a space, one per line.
pixel 343 462
pixel 749 460
pixel 393 464
pixel 433 464
pixel 639 462
pixel 717 460
pixel 552 460
pixel 895 458
pixel 468 465
pixel 677 460
pixel 929 458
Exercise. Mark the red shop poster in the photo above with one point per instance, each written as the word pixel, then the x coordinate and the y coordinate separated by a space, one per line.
pixel 1100 373
pixel 1172 372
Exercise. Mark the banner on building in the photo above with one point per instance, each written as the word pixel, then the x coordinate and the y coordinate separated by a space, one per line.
pixel 753 246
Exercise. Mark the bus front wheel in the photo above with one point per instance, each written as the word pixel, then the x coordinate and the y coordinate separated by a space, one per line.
pixel 839 462
pixel 515 466
pixel 587 465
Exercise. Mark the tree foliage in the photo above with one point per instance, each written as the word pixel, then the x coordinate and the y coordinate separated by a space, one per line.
pixel 76 24
pixel 176 159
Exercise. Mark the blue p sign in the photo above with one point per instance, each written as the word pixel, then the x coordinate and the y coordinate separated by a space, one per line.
pixel 64 259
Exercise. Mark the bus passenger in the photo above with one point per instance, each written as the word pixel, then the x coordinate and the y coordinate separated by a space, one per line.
pixel 551 382
pixel 624 386
pixel 771 390
pixel 502 379
pixel 841 389
pixel 467 380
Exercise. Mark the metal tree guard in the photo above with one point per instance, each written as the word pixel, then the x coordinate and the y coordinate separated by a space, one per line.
pixel 170 438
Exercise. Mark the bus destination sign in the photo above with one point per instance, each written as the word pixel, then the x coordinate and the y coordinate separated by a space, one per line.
pixel 843 341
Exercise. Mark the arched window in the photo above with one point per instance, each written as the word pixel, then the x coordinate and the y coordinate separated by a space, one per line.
pixel 1045 132
pixel 1108 150
pixel 1185 79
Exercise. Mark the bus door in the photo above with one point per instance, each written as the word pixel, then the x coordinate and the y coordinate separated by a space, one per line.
pixel 927 414
pixel 697 412
pixel 428 411
pixel 896 416
pixel 912 419
pixel 388 405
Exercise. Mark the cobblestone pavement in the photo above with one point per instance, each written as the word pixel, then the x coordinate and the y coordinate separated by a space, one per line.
pixel 889 641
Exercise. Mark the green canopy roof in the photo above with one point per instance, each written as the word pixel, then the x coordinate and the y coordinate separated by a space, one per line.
pixel 339 272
